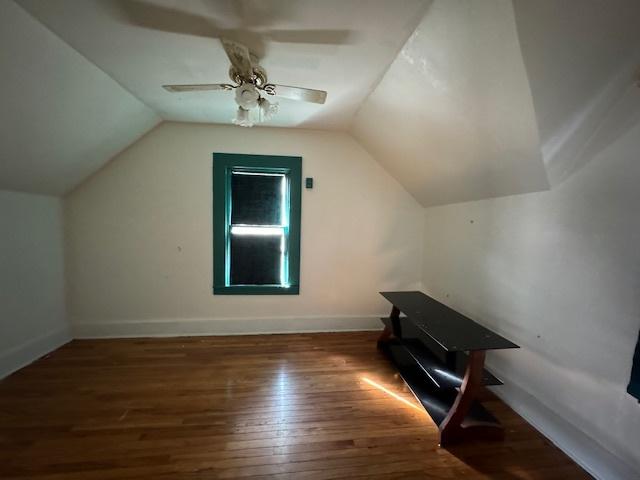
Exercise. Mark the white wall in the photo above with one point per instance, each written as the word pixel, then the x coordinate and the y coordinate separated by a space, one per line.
pixel 32 310
pixel 140 241
pixel 559 273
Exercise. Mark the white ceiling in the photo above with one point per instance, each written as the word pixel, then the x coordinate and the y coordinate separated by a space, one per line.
pixel 145 44
pixel 452 120
pixel 458 99
pixel 62 118
pixel 581 57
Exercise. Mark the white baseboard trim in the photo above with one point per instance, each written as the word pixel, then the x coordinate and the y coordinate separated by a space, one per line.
pixel 22 355
pixel 224 326
pixel 582 449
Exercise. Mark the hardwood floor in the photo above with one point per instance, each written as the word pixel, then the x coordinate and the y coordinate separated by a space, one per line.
pixel 254 407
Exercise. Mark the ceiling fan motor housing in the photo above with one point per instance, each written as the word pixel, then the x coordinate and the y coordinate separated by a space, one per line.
pixel 259 77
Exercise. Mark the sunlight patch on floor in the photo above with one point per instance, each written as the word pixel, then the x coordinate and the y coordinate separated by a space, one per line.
pixel 391 394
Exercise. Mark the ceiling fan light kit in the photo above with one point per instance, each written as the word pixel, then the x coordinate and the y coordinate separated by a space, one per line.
pixel 249 117
pixel 242 118
pixel 252 107
pixel 267 109
pixel 251 84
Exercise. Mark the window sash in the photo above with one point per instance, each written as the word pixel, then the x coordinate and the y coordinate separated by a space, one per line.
pixel 281 230
pixel 259 230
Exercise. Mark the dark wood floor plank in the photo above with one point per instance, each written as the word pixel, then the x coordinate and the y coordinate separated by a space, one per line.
pixel 249 407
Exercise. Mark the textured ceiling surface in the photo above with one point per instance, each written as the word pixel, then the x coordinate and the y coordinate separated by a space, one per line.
pixel 339 46
pixel 62 118
pixel 452 119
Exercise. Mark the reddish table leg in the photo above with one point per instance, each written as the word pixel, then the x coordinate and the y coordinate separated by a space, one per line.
pixel 452 429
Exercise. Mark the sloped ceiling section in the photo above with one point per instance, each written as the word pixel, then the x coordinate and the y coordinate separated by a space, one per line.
pixel 339 46
pixel 452 119
pixel 62 117
pixel 583 59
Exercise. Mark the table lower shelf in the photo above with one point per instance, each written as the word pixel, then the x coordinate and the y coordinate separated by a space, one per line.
pixel 436 397
pixel 441 374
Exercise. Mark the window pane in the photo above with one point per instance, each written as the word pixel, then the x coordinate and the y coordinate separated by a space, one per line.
pixel 255 259
pixel 256 199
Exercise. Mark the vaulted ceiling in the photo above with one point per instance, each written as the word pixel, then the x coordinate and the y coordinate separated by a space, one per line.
pixel 494 98
pixel 62 117
pixel 453 118
pixel 583 63
pixel 457 99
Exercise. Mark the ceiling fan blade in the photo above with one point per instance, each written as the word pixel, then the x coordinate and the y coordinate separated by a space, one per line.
pixel 318 37
pixel 252 13
pixel 198 87
pixel 154 17
pixel 164 19
pixel 297 93
pixel 239 56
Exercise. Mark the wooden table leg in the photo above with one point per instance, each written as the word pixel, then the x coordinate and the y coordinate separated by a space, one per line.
pixel 451 429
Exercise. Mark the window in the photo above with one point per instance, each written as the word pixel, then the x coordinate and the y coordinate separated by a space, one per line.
pixel 256 224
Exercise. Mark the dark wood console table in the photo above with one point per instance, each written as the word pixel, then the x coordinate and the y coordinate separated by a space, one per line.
pixel 440 355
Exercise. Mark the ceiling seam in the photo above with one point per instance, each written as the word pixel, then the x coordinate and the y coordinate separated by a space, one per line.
pixel 131 144
pixel 417 20
pixel 48 28
pixel 358 142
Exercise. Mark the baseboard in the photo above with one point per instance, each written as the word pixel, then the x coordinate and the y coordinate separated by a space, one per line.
pixel 582 449
pixel 224 326
pixel 28 352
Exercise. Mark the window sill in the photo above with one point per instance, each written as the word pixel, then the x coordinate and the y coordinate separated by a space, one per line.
pixel 256 290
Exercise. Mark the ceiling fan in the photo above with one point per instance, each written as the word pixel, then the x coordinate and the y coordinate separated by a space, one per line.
pixel 250 84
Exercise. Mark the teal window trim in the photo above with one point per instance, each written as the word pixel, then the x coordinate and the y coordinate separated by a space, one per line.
pixel 223 165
